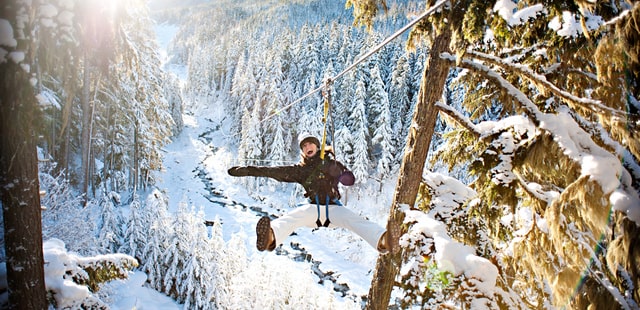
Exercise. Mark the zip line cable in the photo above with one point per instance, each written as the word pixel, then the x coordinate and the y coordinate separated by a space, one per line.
pixel 363 58
pixel 327 82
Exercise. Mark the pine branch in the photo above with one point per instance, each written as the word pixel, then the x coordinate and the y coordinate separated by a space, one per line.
pixel 465 63
pixel 537 193
pixel 459 118
pixel 541 82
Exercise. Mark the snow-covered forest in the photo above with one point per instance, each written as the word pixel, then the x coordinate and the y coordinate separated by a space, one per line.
pixel 529 197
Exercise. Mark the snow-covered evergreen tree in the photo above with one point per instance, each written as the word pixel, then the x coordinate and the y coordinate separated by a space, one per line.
pixel 195 283
pixel 135 235
pixel 400 105
pixel 177 251
pixel 342 145
pixel 158 230
pixel 226 259
pixel 111 222
pixel 173 94
pixel 65 218
pixel 279 145
pixel 360 134
pixel 382 134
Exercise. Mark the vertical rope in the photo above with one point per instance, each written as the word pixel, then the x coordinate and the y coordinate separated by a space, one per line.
pixel 327 104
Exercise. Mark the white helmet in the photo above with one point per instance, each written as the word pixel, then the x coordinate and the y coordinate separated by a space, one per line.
pixel 307 137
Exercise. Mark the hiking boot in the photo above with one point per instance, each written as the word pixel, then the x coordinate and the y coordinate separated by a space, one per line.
pixel 264 233
pixel 389 241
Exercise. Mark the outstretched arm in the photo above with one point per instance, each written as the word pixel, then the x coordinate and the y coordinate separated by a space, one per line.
pixel 282 173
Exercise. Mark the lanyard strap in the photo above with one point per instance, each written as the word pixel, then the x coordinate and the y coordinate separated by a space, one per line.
pixel 327 222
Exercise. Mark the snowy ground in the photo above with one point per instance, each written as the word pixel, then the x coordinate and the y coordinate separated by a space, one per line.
pixel 196 164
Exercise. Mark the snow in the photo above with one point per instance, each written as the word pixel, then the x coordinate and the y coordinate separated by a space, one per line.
pixel 132 294
pixel 507 9
pixel 61 266
pixel 451 255
pixel 6 34
pixel 570 27
pixel 566 26
pixel 56 260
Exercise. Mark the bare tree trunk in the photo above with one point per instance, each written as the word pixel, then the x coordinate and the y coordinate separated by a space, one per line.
pixel 136 155
pixel 19 186
pixel 422 129
pixel 86 128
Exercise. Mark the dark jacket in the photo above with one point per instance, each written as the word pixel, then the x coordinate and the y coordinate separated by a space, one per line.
pixel 318 177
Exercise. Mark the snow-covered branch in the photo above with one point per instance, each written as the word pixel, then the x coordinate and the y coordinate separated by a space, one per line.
pixel 459 118
pixel 535 190
pixel 487 72
pixel 72 278
pixel 541 81
pixel 578 145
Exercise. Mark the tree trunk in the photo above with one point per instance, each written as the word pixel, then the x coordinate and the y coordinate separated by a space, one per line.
pixel 136 159
pixel 19 186
pixel 86 128
pixel 422 128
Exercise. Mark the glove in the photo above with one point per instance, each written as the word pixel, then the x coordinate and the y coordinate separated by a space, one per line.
pixel 238 171
pixel 347 178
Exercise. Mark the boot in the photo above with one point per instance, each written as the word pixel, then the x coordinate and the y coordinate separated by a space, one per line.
pixel 389 241
pixel 266 240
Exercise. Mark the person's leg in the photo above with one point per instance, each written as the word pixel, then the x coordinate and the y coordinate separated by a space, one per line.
pixel 304 215
pixel 342 217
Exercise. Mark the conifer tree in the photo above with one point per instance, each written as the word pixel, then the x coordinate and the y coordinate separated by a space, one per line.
pixel 279 145
pixel 230 259
pixel 382 141
pixel 135 236
pixel 345 89
pixel 110 230
pixel 19 192
pixel 400 104
pixel 255 134
pixel 240 95
pixel 177 252
pixel 536 169
pixel 196 279
pixel 174 98
pixel 158 230
pixel 360 134
pixel 343 143
pixel 65 218
pixel 244 148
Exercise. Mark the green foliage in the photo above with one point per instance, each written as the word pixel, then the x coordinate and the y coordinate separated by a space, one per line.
pixel 473 24
pixel 461 147
pixel 364 11
pixel 102 271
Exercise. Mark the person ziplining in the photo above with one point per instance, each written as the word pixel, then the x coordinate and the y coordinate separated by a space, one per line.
pixel 319 176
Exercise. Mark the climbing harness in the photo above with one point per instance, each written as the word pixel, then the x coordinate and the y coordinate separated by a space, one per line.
pixel 326 205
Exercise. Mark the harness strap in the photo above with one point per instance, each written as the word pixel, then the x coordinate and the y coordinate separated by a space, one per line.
pixel 327 221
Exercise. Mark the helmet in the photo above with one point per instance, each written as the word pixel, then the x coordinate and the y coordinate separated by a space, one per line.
pixel 307 137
